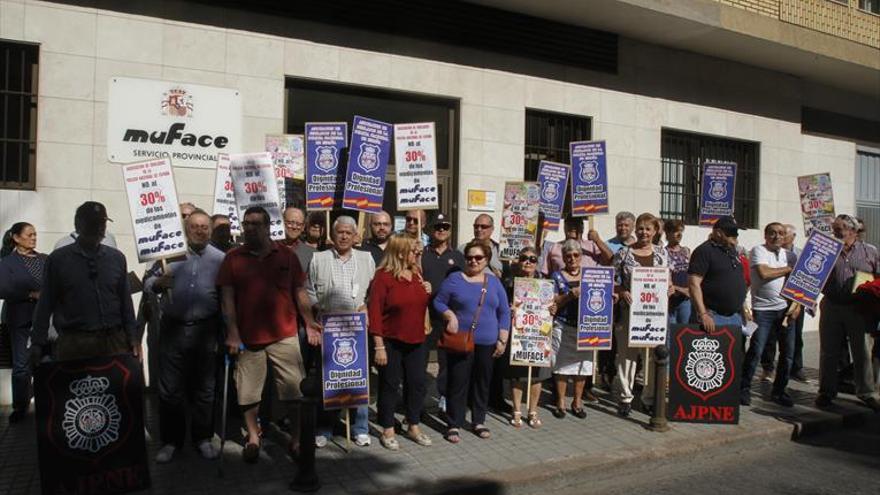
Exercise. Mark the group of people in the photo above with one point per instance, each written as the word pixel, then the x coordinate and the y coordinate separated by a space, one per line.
pixel 261 300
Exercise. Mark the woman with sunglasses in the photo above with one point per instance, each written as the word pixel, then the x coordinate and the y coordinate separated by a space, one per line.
pixel 568 362
pixel 643 252
pixel 526 266
pixel 458 300
pixel 21 278
pixel 398 301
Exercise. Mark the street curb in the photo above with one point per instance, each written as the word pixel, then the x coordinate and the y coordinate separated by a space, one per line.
pixel 815 424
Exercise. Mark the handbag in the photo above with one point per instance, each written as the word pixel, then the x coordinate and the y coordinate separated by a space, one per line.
pixel 463 342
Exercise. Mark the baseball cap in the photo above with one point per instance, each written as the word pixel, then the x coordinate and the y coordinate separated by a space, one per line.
pixel 91 211
pixel 440 219
pixel 728 226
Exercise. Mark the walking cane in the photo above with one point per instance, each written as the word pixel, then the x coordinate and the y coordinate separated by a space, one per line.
pixel 226 360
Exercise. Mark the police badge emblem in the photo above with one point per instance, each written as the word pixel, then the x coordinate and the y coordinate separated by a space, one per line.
pixel 589 171
pixel 326 158
pixel 596 302
pixel 705 367
pixel 815 263
pixel 92 418
pixel 368 157
pixel 550 191
pixel 344 352
pixel 718 190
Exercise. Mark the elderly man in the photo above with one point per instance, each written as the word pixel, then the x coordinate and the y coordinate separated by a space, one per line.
pixel 294 224
pixel 484 226
pixel 795 323
pixel 86 293
pixel 715 278
pixel 594 252
pixel 380 232
pixel 188 340
pixel 263 290
pixel 840 317
pixel 769 266
pixel 338 282
pixel 624 222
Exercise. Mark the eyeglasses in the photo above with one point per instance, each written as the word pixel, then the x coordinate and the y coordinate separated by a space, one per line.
pixel 411 220
pixel 442 226
pixel 530 259
pixel 478 258
pixel 417 253
pixel 482 226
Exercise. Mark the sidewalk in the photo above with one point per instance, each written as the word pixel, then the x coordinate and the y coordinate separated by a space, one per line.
pixel 512 459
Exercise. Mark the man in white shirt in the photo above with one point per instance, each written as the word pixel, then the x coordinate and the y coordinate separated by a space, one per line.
pixel 769 265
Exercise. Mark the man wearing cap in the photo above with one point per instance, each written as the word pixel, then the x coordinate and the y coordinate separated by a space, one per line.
pixel 840 317
pixel 484 226
pixel 380 232
pixel 86 293
pixel 594 252
pixel 715 278
pixel 438 261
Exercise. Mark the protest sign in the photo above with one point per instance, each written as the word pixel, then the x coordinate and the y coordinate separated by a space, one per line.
pixel 186 123
pixel 531 335
pixel 253 181
pixel 325 142
pixel 154 210
pixel 345 372
pixel 595 324
pixel 224 194
pixel 814 265
pixel 705 375
pixel 589 178
pixel 367 162
pixel 716 200
pixel 817 203
pixel 519 218
pixel 287 155
pixel 648 313
pixel 415 160
pixel 553 181
pixel 90 426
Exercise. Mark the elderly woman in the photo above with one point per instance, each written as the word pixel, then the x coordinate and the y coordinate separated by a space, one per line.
pixel 568 362
pixel 473 301
pixel 643 252
pixel 679 258
pixel 527 267
pixel 21 277
pixel 398 301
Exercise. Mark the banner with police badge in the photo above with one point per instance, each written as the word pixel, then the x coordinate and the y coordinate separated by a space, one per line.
pixel 716 200
pixel 589 178
pixel 345 373
pixel 813 267
pixel 519 218
pixel 704 387
pixel 90 426
pixel 154 209
pixel 367 162
pixel 254 184
pixel 325 144
pixel 553 181
pixel 595 323
pixel 531 335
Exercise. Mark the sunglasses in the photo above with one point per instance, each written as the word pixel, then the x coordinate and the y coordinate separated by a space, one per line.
pixel 442 226
pixel 530 259
pixel 411 220
pixel 478 258
pixel 482 226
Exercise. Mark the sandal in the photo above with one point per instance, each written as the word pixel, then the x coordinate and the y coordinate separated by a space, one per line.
pixel 534 420
pixel 452 435
pixel 559 412
pixel 516 420
pixel 389 443
pixel 578 412
pixel 482 432
pixel 421 439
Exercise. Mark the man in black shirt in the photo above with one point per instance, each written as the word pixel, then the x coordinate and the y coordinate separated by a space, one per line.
pixel 716 279
pixel 380 232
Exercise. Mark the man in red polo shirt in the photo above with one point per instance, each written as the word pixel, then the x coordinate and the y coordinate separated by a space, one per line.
pixel 262 284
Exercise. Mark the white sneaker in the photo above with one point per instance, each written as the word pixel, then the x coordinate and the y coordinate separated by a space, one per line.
pixel 320 441
pixel 362 440
pixel 208 451
pixel 441 403
pixel 165 453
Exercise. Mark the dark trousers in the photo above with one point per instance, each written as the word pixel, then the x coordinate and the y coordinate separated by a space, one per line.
pixel 187 374
pixel 437 327
pixel 469 371
pixel 770 329
pixel 404 361
pixel 21 370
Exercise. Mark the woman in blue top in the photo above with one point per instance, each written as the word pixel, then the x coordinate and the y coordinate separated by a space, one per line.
pixel 458 300
pixel 21 277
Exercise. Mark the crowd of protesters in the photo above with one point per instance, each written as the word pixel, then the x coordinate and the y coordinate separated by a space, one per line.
pixel 261 301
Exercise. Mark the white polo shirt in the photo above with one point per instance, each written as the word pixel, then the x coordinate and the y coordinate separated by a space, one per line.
pixel 766 293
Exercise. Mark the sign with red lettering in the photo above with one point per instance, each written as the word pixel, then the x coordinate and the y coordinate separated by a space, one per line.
pixel 155 212
pixel 704 386
pixel 90 426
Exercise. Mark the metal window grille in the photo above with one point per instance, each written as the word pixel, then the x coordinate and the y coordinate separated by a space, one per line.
pixel 547 138
pixel 872 6
pixel 683 155
pixel 868 193
pixel 18 127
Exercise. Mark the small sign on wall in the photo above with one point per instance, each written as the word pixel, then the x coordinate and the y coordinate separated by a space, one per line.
pixel 481 200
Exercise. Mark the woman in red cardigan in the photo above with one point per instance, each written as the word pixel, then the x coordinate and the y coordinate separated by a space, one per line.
pixel 398 300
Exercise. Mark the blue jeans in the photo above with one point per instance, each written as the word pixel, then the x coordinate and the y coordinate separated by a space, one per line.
pixel 360 422
pixel 21 369
pixel 681 314
pixel 769 327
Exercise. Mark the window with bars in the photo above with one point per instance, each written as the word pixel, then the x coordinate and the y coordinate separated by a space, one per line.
pixel 868 192
pixel 18 114
pixel 547 138
pixel 872 6
pixel 683 155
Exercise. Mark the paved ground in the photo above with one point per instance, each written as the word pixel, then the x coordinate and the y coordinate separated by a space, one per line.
pixel 510 462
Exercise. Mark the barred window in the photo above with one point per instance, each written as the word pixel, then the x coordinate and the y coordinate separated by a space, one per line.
pixel 547 138
pixel 872 6
pixel 868 192
pixel 18 115
pixel 683 155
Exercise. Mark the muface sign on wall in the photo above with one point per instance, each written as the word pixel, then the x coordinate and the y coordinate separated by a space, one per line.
pixel 189 124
